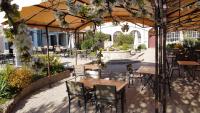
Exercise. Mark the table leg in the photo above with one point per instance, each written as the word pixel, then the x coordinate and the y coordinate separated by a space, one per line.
pixel 123 99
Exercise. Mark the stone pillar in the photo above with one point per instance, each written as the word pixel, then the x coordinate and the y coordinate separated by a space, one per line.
pixel 57 39
pixel 35 38
pixel 181 35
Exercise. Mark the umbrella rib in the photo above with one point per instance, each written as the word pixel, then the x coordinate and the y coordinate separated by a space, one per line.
pixel 62 11
pixel 83 25
pixel 51 22
pixel 39 12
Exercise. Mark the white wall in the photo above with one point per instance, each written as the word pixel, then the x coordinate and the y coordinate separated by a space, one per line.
pixel 109 28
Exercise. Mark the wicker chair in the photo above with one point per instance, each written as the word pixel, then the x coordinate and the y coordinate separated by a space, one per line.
pixel 105 95
pixel 76 89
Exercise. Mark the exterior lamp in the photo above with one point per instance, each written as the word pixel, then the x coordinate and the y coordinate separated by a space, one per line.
pixel 125 28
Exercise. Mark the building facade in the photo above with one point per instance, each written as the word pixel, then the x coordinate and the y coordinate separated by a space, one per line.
pixel 140 33
pixel 178 36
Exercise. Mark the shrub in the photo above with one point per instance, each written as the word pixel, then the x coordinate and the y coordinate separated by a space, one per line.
pixel 92 39
pixel 4 87
pixel 123 39
pixel 141 46
pixel 20 78
pixel 197 45
pixel 189 42
pixel 125 47
pixel 41 63
pixel 87 44
pixel 178 45
pixel 170 46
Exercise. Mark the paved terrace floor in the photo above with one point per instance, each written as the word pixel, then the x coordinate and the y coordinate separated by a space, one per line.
pixel 185 96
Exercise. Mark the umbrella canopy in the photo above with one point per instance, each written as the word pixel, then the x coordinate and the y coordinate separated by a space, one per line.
pixel 42 15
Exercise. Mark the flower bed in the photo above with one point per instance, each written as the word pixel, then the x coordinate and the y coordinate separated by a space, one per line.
pixel 9 106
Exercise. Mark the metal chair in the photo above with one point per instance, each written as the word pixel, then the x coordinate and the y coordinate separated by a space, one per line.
pixel 57 50
pixel 77 90
pixel 78 70
pixel 130 73
pixel 105 95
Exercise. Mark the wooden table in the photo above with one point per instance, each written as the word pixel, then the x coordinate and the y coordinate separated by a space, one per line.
pixel 189 64
pixel 90 82
pixel 150 70
pixel 147 71
pixel 91 67
pixel 120 86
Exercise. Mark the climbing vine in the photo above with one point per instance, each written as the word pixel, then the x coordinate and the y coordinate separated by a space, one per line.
pixel 17 32
pixel 96 10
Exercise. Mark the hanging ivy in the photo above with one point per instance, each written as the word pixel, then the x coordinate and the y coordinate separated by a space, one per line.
pixel 60 16
pixel 17 31
pixel 11 13
pixel 23 43
pixel 96 11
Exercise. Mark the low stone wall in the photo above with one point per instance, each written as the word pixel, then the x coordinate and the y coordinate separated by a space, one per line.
pixel 107 55
pixel 35 86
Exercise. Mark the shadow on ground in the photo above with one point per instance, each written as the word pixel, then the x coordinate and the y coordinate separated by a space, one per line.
pixel 185 97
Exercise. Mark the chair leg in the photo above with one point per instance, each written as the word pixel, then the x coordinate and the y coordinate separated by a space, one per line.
pixel 85 104
pixel 169 86
pixel 97 107
pixel 171 73
pixel 116 107
pixel 69 104
pixel 129 82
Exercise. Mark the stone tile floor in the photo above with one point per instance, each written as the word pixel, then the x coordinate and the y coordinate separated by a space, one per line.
pixel 185 98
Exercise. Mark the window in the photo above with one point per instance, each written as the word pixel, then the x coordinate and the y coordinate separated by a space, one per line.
pixel 192 34
pixel 173 36
pixel 6 46
pixel 39 38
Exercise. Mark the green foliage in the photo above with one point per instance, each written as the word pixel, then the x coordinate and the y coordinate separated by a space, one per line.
pixel 11 13
pixel 92 39
pixel 41 64
pixel 4 86
pixel 141 46
pixel 20 78
pixel 125 47
pixel 123 39
pixel 170 46
pixel 99 60
pixel 197 46
pixel 23 44
pixel 189 42
pixel 87 44
pixel 174 45
pixel 8 34
pixel 96 10
pixel 60 17
pixel 2 101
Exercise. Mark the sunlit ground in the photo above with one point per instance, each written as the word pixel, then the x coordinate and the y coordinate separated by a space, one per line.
pixel 185 98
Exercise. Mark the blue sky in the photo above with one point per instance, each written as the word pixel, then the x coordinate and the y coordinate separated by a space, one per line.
pixel 21 3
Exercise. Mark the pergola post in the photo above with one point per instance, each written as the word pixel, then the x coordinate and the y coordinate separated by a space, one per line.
pixel 48 65
pixel 76 54
pixel 161 78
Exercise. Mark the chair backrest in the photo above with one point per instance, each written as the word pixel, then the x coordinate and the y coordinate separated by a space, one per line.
pixel 129 68
pixel 57 49
pixel 39 49
pixel 105 93
pixel 75 88
pixel 79 70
